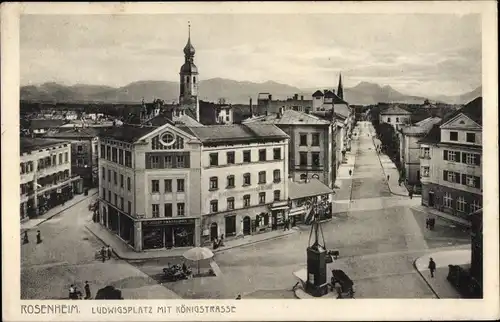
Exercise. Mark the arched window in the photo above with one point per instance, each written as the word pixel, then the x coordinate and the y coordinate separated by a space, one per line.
pixel 187 79
pixel 194 80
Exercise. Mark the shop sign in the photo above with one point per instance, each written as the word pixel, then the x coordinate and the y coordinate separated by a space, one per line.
pixel 247 190
pixel 167 222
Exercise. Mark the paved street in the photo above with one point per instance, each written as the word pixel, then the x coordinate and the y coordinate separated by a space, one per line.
pixel 379 239
pixel 66 257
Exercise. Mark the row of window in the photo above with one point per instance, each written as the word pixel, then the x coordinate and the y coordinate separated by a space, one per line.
pixel 463 157
pixel 465 179
pixel 43 163
pixel 116 155
pixel 314 139
pixel 169 162
pixel 304 159
pixel 247 179
pixel 214 204
pixel 117 202
pixel 469 137
pixel 167 186
pixel 461 204
pixel 168 210
pixel 247 156
pixel 114 175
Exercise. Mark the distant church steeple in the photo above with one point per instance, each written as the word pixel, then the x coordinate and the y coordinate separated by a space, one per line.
pixel 188 96
pixel 340 89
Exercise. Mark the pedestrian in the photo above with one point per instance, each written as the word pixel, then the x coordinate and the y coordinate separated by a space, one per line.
pixel 72 292
pixel 427 221
pixel 399 182
pixel 103 254
pixel 88 295
pixel 238 297
pixel 350 172
pixel 388 177
pixel 109 251
pixel 432 266
pixel 25 239
pixel 38 237
pixel 432 222
pixel 411 194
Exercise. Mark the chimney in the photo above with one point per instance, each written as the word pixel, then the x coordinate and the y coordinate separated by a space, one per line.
pixel 324 91
pixel 280 112
pixel 333 91
pixel 301 97
pixel 270 97
pixel 251 107
pixel 296 97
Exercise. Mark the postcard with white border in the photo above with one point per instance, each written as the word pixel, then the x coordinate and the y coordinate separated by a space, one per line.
pixel 250 161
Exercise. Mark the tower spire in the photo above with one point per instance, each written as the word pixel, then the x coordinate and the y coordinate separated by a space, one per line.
pixel 340 89
pixel 189 29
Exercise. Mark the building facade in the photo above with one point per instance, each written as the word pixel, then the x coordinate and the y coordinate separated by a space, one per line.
pixel 395 116
pixel 243 179
pixel 266 105
pixel 409 136
pixel 149 187
pixel 451 162
pixel 312 145
pixel 84 153
pixel 46 178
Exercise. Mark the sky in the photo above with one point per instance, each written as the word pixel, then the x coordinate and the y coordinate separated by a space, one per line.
pixel 432 54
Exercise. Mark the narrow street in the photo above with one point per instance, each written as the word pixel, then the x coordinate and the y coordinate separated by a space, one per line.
pixel 378 240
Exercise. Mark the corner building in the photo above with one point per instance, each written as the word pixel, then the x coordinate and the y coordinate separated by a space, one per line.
pixel 158 188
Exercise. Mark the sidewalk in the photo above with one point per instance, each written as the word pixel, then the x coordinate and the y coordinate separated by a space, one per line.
pixel 443 215
pixel 343 181
pixel 441 287
pixel 123 251
pixel 32 223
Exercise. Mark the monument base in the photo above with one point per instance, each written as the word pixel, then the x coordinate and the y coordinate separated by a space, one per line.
pixel 301 294
pixel 317 291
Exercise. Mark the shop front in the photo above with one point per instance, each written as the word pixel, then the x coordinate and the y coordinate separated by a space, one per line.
pixel 168 233
pixel 279 212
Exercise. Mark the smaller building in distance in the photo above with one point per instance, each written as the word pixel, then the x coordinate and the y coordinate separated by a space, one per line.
pixel 84 152
pixel 450 163
pixel 46 178
pixel 409 135
pixel 267 105
pixel 395 116
pixel 40 127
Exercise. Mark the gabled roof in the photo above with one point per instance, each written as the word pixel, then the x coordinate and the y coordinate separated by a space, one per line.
pixel 421 127
pixel 127 133
pixel 318 93
pixel 433 136
pixel 289 117
pixel 473 110
pixel 342 110
pixel 186 120
pixel 30 144
pixel 236 133
pixel 314 187
pixel 46 123
pixel 394 110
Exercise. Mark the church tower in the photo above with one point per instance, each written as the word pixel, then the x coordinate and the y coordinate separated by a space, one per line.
pixel 188 97
pixel 340 89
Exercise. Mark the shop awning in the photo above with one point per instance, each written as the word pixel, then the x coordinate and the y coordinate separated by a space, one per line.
pixel 312 188
pixel 279 205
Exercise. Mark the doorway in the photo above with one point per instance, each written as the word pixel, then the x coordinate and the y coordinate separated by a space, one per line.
pixel 431 199
pixel 214 231
pixel 246 225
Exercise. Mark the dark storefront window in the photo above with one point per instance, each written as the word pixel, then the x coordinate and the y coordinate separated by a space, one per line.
pixel 183 236
pixel 152 238
pixel 230 225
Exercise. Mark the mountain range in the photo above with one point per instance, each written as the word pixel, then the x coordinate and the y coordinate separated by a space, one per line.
pixel 213 89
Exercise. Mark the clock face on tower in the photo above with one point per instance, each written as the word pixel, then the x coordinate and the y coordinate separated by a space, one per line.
pixel 167 138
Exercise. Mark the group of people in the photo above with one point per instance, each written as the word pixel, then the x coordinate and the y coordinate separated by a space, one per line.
pixel 75 294
pixel 218 242
pixel 286 224
pixel 176 267
pixel 38 237
pixel 106 253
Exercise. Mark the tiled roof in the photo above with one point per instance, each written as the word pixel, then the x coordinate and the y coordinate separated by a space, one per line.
pixel 88 132
pixel 30 144
pixel 318 93
pixel 187 121
pixel 236 132
pixel 421 127
pixel 312 188
pixel 434 135
pixel 46 123
pixel 289 117
pixel 127 133
pixel 395 110
pixel 473 110
pixel 160 120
